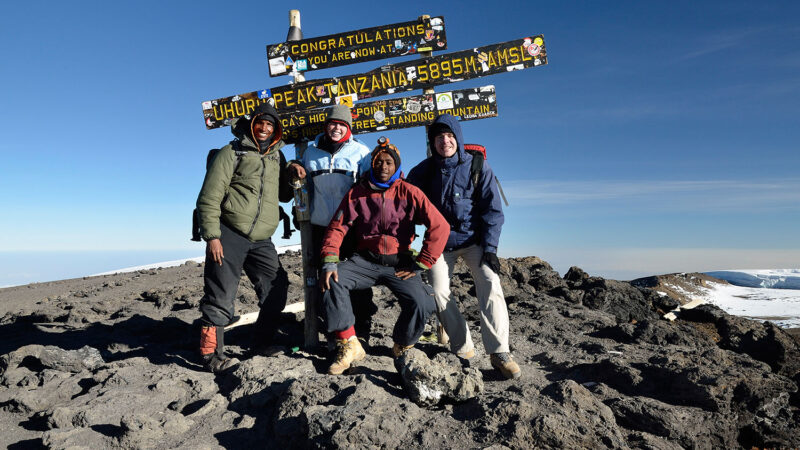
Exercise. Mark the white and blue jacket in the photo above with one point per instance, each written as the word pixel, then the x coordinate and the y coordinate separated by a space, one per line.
pixel 330 176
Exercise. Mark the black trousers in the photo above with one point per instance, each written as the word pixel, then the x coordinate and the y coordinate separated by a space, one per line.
pixel 261 265
pixel 415 298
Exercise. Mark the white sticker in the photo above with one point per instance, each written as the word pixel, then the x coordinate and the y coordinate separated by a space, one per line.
pixel 413 107
pixel 207 105
pixel 444 100
pixel 379 116
pixel 277 66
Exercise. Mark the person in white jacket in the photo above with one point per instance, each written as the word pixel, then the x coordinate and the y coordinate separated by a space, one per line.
pixel 331 164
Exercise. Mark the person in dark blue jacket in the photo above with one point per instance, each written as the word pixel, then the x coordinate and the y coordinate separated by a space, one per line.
pixel 475 215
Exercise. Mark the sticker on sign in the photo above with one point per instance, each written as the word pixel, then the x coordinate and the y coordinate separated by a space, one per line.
pixel 444 100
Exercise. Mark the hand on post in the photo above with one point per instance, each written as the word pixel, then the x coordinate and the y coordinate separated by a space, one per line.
pixel 297 171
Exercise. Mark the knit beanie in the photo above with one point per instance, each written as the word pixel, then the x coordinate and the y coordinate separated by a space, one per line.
pixel 340 113
pixel 385 147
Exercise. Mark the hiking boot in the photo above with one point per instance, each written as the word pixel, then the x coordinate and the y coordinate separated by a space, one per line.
pixel 218 365
pixel 212 350
pixel 398 350
pixel 443 338
pixel 347 351
pixel 469 354
pixel 506 365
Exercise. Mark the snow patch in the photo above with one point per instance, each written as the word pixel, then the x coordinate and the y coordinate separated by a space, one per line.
pixel 178 262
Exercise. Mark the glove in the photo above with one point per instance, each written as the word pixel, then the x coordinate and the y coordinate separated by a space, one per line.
pixel 490 259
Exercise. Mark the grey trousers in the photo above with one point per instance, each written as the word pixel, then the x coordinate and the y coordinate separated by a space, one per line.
pixel 492 303
pixel 414 296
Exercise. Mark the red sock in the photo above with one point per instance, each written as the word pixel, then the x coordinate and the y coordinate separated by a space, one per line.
pixel 345 334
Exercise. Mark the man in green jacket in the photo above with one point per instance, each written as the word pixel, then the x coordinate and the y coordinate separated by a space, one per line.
pixel 238 213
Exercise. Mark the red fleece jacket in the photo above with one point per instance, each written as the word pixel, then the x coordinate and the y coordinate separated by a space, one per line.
pixel 384 221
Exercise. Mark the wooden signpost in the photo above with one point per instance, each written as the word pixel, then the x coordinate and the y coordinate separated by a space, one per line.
pixel 422 73
pixel 302 105
pixel 369 44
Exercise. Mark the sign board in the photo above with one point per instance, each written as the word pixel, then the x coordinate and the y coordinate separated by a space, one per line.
pixel 368 44
pixel 396 113
pixel 417 74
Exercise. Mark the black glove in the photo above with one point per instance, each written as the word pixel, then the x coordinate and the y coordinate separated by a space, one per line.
pixel 490 259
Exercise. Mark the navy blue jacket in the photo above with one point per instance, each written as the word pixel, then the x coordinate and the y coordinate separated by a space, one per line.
pixel 447 183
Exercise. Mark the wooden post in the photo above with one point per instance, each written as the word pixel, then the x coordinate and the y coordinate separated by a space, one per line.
pixel 302 210
pixel 441 335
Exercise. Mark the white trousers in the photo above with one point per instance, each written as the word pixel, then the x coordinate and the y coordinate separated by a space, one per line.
pixel 492 303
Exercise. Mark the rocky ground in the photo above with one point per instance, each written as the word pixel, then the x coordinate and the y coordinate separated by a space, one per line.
pixel 110 362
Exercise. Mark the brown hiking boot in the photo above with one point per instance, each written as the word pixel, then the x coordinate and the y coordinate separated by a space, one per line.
pixel 506 365
pixel 469 354
pixel 347 351
pixel 398 350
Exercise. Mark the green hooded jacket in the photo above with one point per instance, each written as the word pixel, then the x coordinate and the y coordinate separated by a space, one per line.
pixel 247 199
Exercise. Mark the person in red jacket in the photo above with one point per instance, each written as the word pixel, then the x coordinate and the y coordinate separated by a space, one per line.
pixel 382 210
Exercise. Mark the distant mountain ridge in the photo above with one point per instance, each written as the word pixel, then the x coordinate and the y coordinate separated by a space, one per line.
pixel 772 279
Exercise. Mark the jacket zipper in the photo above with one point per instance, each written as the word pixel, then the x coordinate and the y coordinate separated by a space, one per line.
pixel 381 245
pixel 260 194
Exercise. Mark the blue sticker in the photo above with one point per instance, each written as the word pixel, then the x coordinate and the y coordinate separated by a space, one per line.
pixel 289 61
pixel 266 93
pixel 301 64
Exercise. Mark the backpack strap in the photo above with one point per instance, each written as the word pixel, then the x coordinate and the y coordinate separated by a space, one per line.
pixel 478 153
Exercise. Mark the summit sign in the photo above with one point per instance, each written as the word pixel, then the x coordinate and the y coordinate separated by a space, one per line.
pixel 422 73
pixel 387 41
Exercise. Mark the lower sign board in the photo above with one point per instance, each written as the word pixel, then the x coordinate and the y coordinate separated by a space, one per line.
pixel 396 113
pixel 389 79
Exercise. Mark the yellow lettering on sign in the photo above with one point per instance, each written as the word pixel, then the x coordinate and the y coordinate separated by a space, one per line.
pixel 502 57
pixel 218 114
pixel 288 98
pixel 525 55
pixel 378 36
pixel 236 109
pixel 513 54
pixel 362 84
pixel 422 72
pixel 278 96
pixel 351 86
pixel 471 64
pixel 435 72
pixel 228 110
pixel 492 60
pixel 458 66
pixel 250 105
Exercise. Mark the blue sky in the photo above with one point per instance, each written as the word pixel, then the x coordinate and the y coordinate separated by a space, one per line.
pixel 661 136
